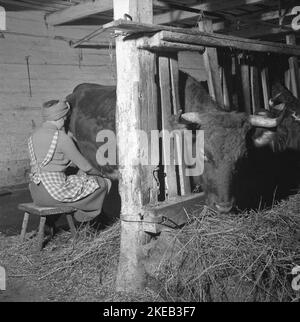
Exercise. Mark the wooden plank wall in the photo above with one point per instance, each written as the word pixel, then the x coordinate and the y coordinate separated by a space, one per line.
pixel 55 70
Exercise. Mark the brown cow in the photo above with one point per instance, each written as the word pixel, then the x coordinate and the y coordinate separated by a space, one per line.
pixel 94 106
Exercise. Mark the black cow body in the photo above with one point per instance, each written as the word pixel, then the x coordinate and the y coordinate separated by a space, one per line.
pixel 234 167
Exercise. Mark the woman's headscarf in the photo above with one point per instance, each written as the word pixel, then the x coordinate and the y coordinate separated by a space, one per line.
pixel 54 110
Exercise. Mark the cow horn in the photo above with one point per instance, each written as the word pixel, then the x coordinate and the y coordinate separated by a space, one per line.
pixel 262 121
pixel 272 100
pixel 192 117
pixel 279 107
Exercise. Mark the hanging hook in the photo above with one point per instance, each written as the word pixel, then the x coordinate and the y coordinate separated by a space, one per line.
pixel 28 75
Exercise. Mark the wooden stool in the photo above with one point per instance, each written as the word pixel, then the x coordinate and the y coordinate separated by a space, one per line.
pixel 43 212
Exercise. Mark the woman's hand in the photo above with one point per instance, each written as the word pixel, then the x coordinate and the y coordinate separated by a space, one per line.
pixel 71 135
pixel 80 172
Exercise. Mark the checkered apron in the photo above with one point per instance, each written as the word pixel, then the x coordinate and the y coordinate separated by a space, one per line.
pixel 61 187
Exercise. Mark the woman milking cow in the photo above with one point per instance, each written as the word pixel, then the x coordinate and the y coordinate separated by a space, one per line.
pixel 51 152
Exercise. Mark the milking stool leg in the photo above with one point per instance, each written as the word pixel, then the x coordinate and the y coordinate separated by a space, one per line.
pixel 24 226
pixel 41 233
pixel 71 224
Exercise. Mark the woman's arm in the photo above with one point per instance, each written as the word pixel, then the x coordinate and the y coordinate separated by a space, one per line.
pixel 71 152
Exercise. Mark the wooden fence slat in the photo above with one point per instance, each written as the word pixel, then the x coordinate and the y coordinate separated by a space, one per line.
pixel 245 79
pixel 287 79
pixel 166 110
pixel 294 67
pixel 265 87
pixel 184 181
pixel 255 93
pixel 212 66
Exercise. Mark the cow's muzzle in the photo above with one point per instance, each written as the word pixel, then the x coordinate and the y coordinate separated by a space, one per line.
pixel 224 208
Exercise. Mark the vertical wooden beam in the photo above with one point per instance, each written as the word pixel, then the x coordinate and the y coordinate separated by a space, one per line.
pixel 168 79
pixel 226 97
pixel 255 92
pixel 166 112
pixel 184 181
pixel 226 79
pixel 294 67
pixel 237 98
pixel 245 83
pixel 136 110
pixel 265 86
pixel 287 80
pixel 212 66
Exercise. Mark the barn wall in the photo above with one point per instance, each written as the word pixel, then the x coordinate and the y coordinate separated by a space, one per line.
pixel 55 69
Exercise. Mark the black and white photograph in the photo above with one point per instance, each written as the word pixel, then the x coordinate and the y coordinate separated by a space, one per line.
pixel 149 154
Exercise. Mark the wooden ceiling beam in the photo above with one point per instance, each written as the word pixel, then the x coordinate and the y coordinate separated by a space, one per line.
pixel 212 5
pixel 79 11
pixel 195 37
pixel 20 4
pixel 86 9
pixel 49 4
pixel 258 25
pixel 269 15
pixel 258 31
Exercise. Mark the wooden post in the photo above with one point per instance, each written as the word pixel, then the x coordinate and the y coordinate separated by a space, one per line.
pixel 294 68
pixel 226 80
pixel 212 66
pixel 226 97
pixel 136 109
pixel 265 86
pixel 168 81
pixel 255 94
pixel 245 83
pixel 184 181
pixel 287 79
pixel 166 112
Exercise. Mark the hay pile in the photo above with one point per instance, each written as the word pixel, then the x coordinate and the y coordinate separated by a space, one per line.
pixel 69 269
pixel 246 257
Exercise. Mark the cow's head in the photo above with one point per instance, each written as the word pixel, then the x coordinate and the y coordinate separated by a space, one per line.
pixel 287 133
pixel 281 95
pixel 225 142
